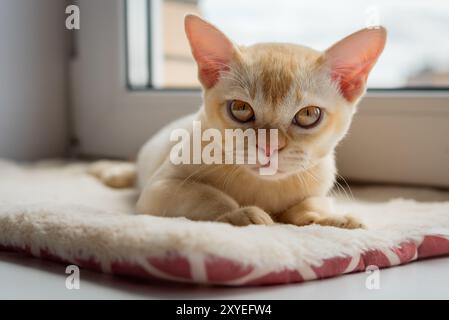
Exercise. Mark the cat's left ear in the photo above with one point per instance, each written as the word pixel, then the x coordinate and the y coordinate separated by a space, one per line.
pixel 212 50
pixel 352 58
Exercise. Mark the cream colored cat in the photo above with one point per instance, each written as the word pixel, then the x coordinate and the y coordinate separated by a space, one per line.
pixel 309 96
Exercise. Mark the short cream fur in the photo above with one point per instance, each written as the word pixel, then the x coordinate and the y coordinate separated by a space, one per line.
pixel 277 80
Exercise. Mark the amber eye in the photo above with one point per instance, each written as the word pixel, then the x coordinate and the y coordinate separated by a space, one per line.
pixel 241 111
pixel 307 117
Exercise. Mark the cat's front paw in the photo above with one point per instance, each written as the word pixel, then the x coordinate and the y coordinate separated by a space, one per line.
pixel 344 222
pixel 333 220
pixel 246 216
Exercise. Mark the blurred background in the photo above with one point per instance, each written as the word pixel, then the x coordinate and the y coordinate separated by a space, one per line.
pixel 417 53
pixel 103 89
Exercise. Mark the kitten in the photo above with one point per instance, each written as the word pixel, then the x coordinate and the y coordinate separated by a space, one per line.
pixel 309 96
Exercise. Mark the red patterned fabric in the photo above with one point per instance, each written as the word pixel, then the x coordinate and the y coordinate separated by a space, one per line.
pixel 216 270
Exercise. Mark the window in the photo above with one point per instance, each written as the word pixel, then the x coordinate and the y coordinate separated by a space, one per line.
pixel 415 29
pixel 144 47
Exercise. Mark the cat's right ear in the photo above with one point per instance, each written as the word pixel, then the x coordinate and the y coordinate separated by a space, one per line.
pixel 211 49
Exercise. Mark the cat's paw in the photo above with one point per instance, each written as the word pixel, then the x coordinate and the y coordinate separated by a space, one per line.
pixel 344 222
pixel 310 217
pixel 246 216
pixel 114 174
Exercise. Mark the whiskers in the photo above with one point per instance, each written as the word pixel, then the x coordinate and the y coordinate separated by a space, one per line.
pixel 338 190
pixel 349 195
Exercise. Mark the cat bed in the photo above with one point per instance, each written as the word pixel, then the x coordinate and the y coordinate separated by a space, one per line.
pixel 56 211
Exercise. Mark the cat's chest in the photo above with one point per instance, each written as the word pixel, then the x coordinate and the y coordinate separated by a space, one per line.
pixel 272 196
pixel 272 200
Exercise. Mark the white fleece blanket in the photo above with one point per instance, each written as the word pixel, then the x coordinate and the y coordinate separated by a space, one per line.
pixel 55 210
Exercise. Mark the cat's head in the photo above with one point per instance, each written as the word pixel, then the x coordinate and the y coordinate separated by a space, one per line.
pixel 309 96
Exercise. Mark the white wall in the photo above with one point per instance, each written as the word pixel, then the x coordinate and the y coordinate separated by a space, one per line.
pixel 33 79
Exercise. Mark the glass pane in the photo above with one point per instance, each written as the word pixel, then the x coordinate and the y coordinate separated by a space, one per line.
pixel 416 55
pixel 137 43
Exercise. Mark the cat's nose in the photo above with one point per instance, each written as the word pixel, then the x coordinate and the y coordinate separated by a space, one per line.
pixel 269 148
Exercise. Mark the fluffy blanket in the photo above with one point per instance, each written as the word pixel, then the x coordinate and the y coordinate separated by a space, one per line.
pixel 54 210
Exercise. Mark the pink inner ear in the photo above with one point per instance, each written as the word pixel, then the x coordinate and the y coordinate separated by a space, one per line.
pixel 212 50
pixel 352 58
pixel 209 71
pixel 352 80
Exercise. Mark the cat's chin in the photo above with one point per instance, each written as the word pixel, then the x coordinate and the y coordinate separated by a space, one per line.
pixel 277 175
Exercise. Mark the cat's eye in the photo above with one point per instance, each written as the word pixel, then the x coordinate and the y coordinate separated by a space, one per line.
pixel 308 117
pixel 240 110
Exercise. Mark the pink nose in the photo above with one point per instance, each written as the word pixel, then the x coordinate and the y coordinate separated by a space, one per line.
pixel 270 149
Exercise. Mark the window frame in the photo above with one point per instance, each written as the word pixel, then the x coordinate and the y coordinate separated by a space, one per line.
pixel 111 119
